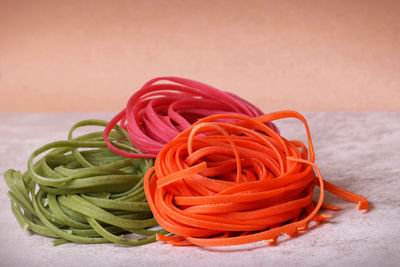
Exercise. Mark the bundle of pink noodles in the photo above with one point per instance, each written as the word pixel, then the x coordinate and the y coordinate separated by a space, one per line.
pixel 158 112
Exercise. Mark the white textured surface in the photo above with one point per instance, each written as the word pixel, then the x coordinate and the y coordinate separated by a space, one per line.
pixel 359 151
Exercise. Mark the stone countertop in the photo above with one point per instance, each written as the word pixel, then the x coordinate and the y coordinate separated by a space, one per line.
pixel 359 151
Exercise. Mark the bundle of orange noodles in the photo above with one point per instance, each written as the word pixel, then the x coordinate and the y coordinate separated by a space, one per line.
pixel 219 183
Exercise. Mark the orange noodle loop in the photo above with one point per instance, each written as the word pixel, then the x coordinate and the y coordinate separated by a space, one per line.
pixel 230 179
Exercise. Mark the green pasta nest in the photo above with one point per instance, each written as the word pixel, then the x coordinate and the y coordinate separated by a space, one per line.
pixel 80 191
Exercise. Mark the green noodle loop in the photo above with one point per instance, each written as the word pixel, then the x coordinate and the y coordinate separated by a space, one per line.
pixel 80 191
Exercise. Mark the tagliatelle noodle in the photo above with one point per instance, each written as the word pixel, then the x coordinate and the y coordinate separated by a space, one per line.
pixel 80 191
pixel 158 112
pixel 230 180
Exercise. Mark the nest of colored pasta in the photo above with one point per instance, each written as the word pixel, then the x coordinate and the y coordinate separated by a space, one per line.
pixel 231 179
pixel 80 191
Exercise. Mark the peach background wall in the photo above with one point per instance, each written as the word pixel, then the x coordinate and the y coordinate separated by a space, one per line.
pixel 304 55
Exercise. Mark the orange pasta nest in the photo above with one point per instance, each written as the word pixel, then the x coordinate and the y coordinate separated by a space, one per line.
pixel 230 180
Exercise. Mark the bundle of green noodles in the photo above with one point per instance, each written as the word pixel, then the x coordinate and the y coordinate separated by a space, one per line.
pixel 78 190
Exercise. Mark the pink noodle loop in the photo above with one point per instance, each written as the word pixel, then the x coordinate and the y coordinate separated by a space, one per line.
pixel 158 112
